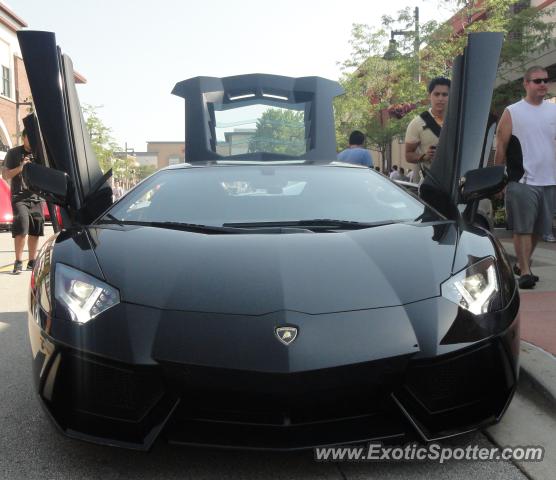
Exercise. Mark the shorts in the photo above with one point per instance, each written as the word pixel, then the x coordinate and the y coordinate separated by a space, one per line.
pixel 28 219
pixel 529 208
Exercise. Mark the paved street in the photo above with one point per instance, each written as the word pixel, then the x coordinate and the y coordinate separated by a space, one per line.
pixel 30 447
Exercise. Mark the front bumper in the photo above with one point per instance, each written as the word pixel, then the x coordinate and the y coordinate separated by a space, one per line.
pixel 392 397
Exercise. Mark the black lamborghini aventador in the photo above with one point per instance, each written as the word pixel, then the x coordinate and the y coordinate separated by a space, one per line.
pixel 263 295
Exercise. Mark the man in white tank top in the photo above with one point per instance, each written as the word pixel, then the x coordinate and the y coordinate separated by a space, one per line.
pixel 525 142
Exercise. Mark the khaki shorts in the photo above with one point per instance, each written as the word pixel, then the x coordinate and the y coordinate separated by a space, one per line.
pixel 529 208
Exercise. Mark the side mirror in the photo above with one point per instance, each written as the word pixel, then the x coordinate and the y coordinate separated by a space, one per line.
pixel 482 183
pixel 52 185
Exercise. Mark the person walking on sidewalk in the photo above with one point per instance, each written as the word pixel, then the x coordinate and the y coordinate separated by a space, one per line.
pixel 395 174
pixel 423 131
pixel 27 208
pixel 525 142
pixel 356 152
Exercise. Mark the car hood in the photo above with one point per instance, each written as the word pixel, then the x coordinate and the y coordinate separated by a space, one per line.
pixel 255 274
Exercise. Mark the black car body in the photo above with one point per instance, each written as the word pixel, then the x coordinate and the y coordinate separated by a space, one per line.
pixel 268 300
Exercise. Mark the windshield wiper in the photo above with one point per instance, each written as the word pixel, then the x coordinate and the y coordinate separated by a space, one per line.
pixel 288 226
pixel 316 223
pixel 112 218
pixel 194 227
pixel 228 228
pixel 190 227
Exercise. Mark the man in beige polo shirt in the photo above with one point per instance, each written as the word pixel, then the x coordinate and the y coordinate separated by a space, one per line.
pixel 423 131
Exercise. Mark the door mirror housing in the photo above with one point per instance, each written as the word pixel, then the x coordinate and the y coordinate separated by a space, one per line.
pixel 482 183
pixel 52 185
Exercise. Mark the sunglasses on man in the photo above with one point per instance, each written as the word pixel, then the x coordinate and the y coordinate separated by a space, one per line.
pixel 538 81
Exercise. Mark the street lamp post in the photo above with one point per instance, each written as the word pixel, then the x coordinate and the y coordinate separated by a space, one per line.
pixel 392 51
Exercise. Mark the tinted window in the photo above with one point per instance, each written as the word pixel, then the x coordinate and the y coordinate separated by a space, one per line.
pixel 255 193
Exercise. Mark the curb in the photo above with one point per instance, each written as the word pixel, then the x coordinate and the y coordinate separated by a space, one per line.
pixel 538 369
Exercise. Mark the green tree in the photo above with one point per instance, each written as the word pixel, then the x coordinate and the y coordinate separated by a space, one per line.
pixel 102 142
pixel 125 169
pixel 107 151
pixel 374 85
pixel 527 30
pixel 376 88
pixel 279 131
pixel 144 171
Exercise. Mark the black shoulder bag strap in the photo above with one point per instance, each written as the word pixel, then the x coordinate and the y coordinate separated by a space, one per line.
pixel 430 123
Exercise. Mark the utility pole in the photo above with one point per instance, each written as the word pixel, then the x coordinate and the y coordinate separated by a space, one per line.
pixel 126 170
pixel 416 45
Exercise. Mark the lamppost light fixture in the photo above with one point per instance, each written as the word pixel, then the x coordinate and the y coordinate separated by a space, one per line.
pixel 392 51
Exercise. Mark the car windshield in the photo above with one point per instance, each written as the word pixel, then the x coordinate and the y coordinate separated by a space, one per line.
pixel 251 194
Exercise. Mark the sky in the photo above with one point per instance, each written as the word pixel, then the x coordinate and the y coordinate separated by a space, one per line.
pixel 133 52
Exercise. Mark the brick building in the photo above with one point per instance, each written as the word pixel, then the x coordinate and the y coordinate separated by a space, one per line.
pixel 15 94
pixel 168 153
pixel 14 89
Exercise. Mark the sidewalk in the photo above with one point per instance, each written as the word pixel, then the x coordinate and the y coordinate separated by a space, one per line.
pixel 538 305
pixel 7 249
pixel 538 318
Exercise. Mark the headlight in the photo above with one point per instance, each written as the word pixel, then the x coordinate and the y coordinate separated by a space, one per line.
pixel 84 296
pixel 475 288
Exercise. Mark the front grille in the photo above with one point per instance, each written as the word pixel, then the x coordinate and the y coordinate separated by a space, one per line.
pixel 458 391
pixel 455 381
pixel 388 426
pixel 280 410
pixel 105 389
pixel 101 401
pixel 265 410
pixel 283 399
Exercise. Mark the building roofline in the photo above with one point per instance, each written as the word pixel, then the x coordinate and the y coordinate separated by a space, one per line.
pixel 9 25
pixel 459 23
pixel 545 4
pixel 18 24
pixel 18 20
pixel 77 77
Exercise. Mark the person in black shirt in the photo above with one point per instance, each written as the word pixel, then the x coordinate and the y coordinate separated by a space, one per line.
pixel 27 208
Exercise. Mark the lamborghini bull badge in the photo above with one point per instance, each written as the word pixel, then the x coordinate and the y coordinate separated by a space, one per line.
pixel 286 334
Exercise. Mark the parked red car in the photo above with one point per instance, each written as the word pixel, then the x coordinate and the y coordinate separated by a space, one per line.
pixel 46 213
pixel 6 215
